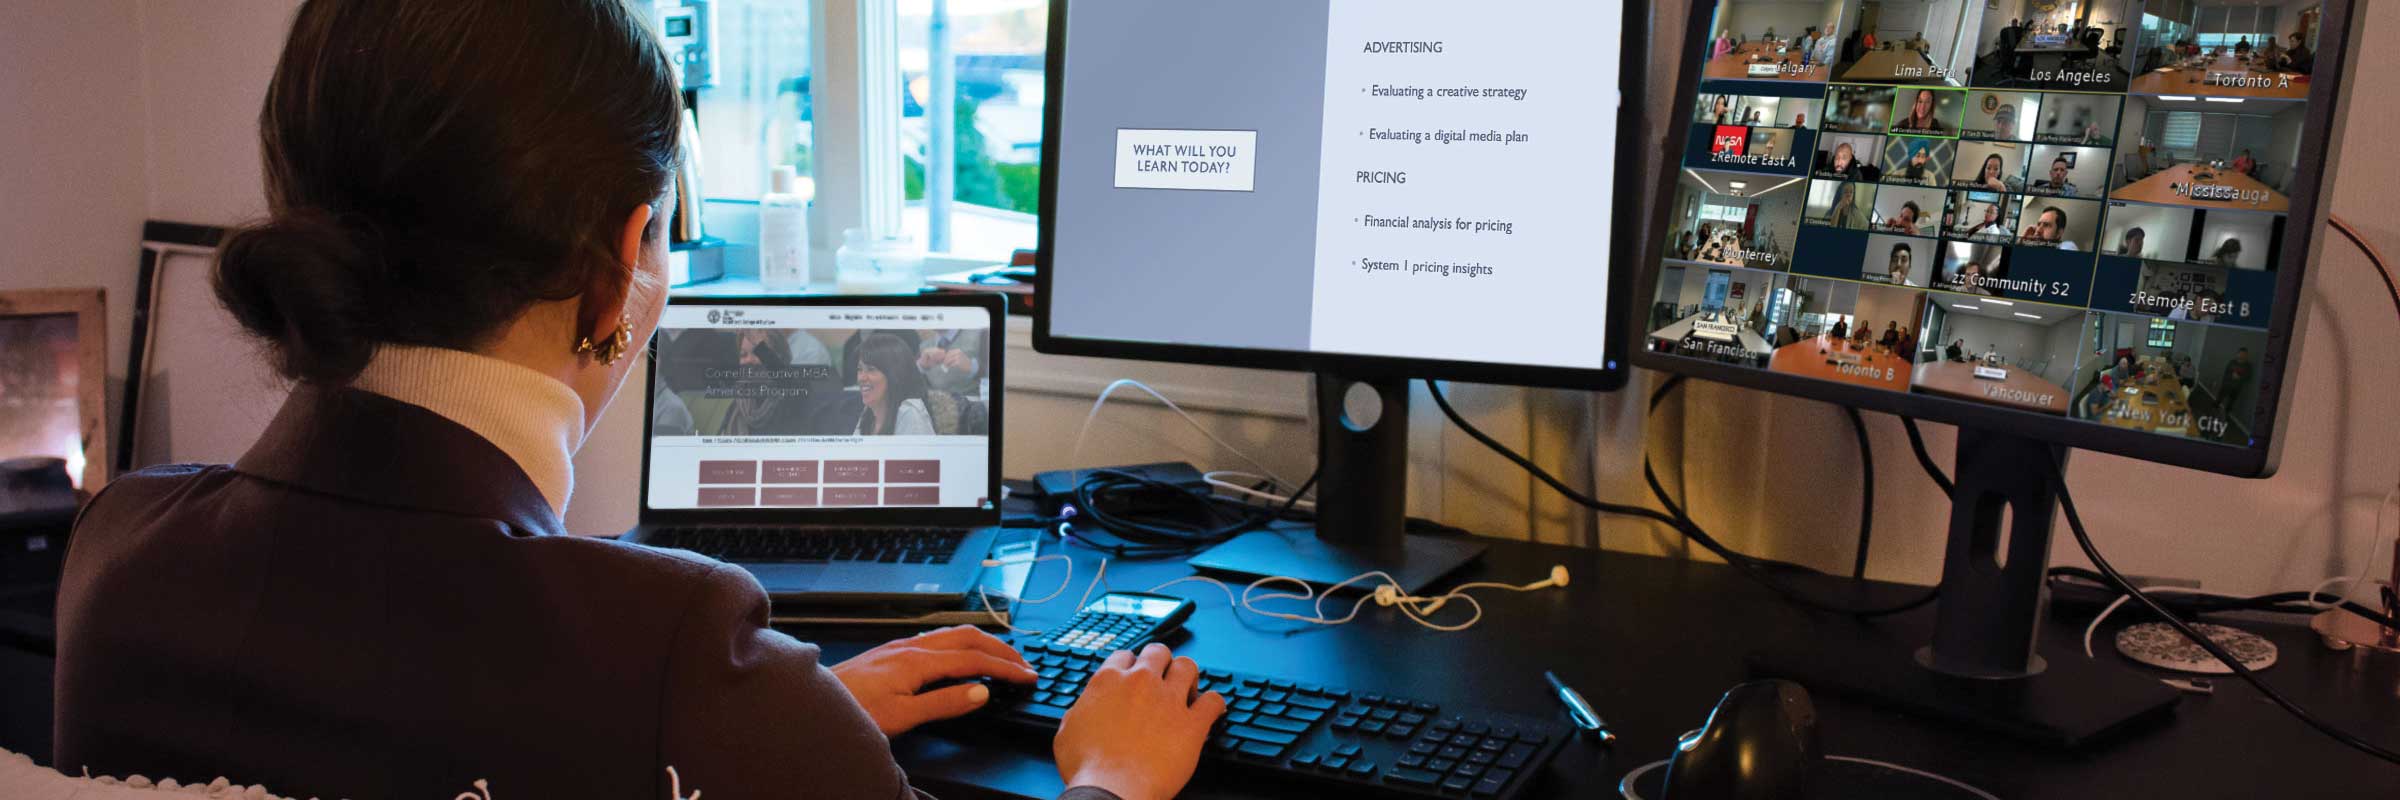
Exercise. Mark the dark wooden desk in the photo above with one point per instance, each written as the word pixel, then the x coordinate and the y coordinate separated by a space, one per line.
pixel 1654 642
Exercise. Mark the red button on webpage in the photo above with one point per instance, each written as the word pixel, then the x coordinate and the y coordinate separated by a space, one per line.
pixel 788 496
pixel 728 472
pixel 791 472
pixel 850 495
pixel 852 471
pixel 927 471
pixel 912 496
pixel 719 498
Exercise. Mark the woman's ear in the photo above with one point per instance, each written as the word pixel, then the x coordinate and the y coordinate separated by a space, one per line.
pixel 606 301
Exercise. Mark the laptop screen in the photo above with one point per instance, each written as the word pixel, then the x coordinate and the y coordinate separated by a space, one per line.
pixel 759 406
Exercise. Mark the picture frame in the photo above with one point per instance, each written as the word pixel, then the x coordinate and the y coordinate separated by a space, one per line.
pixel 33 337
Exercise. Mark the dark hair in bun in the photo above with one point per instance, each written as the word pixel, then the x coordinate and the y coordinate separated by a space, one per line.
pixel 434 167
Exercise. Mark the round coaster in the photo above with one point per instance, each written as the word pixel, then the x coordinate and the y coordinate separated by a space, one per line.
pixel 2160 645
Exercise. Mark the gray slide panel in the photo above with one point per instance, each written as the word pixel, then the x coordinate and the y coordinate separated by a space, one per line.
pixel 1224 269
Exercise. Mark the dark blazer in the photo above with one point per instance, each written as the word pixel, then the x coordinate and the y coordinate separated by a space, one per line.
pixel 377 603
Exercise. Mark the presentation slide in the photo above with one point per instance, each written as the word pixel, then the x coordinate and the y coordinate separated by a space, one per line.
pixel 1389 178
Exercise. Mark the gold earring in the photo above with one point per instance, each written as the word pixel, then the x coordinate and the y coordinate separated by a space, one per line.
pixel 612 347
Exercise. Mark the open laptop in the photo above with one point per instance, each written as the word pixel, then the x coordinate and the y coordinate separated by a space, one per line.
pixel 841 449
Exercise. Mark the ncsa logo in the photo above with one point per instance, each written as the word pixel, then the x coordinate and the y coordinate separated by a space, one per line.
pixel 715 317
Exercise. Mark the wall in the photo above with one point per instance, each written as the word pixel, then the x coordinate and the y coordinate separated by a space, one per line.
pixel 71 148
pixel 1750 20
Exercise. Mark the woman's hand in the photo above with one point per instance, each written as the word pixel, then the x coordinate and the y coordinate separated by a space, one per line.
pixel 1138 729
pixel 888 680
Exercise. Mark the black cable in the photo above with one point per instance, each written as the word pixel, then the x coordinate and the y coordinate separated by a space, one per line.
pixel 1758 569
pixel 1162 537
pixel 2295 602
pixel 1916 442
pixel 1866 498
pixel 2374 256
pixel 2066 499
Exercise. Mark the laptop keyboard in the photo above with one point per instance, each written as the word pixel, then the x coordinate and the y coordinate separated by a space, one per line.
pixel 763 544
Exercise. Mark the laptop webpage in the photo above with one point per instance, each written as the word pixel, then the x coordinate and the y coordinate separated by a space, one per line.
pixel 825 407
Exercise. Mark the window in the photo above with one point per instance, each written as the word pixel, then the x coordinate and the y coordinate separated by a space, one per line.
pixel 2162 334
pixel 756 115
pixel 990 66
pixel 2182 132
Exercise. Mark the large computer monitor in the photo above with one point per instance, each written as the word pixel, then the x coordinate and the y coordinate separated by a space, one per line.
pixel 2078 224
pixel 1371 191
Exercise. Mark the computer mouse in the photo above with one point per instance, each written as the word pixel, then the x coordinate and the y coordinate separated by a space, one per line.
pixel 1759 744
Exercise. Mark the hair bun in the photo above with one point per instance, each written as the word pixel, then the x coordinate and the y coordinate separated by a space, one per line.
pixel 300 283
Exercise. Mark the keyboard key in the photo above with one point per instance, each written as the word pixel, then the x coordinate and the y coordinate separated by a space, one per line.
pixel 1469 770
pixel 1424 748
pixel 1305 760
pixel 1357 709
pixel 1446 725
pixel 1280 684
pixel 1246 692
pixel 1239 717
pixel 1305 714
pixel 1345 722
pixel 1409 776
pixel 1493 745
pixel 1412 760
pixel 1334 762
pixel 1285 725
pixel 1401 731
pixel 1440 764
pixel 1226 743
pixel 1348 750
pixel 1317 703
pixel 1309 688
pixel 1041 696
pixel 1534 738
pixel 1362 768
pixel 1427 708
pixel 1371 727
pixel 1488 787
pixel 1517 757
pixel 1454 751
pixel 1458 784
pixel 1275 695
pixel 1245 705
pixel 1505 733
pixel 1261 750
pixel 1435 737
pixel 1040 711
pixel 1371 699
pixel 1258 734
pixel 1273 709
pixel 1476 728
pixel 1383 714
pixel 1501 775
pixel 1216 674
pixel 1481 757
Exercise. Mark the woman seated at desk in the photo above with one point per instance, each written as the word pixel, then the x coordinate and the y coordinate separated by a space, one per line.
pixel 468 236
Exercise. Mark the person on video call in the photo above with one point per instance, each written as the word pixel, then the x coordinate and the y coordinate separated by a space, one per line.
pixel 2058 183
pixel 1994 175
pixel 1846 213
pixel 1991 224
pixel 1844 163
pixel 2135 243
pixel 2246 165
pixel 1921 117
pixel 892 388
pixel 2299 58
pixel 1919 167
pixel 1907 220
pixel 2050 228
pixel 388 567
pixel 1891 337
pixel 1957 351
pixel 1896 269
pixel 2228 254
pixel 952 362
pixel 2004 121
pixel 1724 46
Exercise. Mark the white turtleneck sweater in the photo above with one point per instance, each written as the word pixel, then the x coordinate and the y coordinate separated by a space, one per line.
pixel 532 417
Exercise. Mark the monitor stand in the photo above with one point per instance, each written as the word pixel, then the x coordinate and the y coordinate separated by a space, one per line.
pixel 1983 668
pixel 1362 503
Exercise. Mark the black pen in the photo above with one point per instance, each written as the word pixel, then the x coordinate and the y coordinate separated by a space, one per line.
pixel 1581 711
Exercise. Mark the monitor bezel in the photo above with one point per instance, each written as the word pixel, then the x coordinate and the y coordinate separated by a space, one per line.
pixel 995 346
pixel 1623 250
pixel 2320 140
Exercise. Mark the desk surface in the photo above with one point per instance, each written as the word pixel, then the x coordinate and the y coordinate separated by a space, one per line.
pixel 1897 65
pixel 1871 365
pixel 2159 188
pixel 2023 388
pixel 1654 642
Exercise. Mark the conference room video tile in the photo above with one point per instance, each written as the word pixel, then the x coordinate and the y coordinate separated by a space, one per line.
pixel 1716 313
pixel 1906 42
pixel 1850 332
pixel 1757 110
pixel 2047 44
pixel 1989 350
pixel 2224 153
pixel 2190 52
pixel 2188 264
pixel 1765 40
pixel 2189 379
pixel 1735 219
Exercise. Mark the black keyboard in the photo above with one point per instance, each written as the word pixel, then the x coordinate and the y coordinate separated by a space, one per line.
pixel 1355 743
pixel 765 544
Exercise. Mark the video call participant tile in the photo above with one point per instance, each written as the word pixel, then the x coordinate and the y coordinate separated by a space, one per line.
pixel 2190 379
pixel 2057 222
pixel 1900 261
pixel 2000 115
pixel 1858 109
pixel 1848 156
pixel 2185 292
pixel 2242 160
pixel 1764 40
pixel 2074 118
pixel 1928 56
pixel 2275 64
pixel 1774 151
pixel 1840 204
pixel 2067 171
pixel 1991 166
pixel 2142 231
pixel 2086 46
pixel 1984 217
pixel 1850 332
pixel 1716 313
pixel 1918 161
pixel 1928 111
pixel 1908 210
pixel 1735 219
pixel 1759 110
pixel 1989 350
